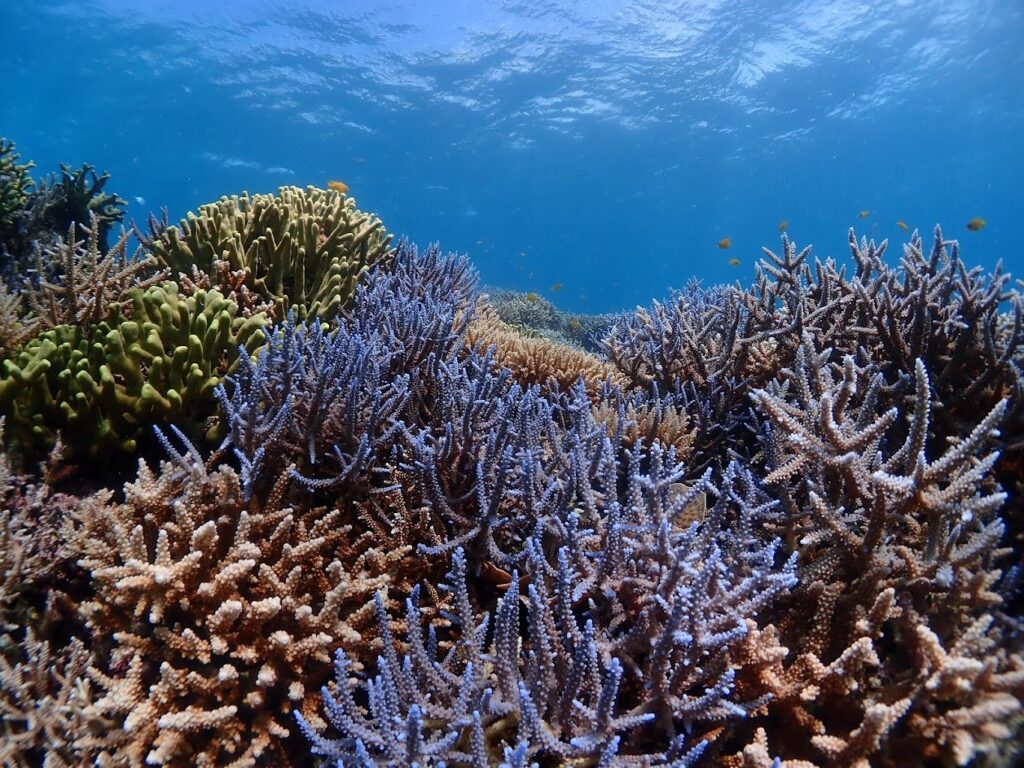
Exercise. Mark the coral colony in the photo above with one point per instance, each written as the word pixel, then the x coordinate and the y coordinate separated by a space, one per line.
pixel 280 492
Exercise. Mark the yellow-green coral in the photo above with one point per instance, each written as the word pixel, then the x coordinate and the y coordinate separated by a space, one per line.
pixel 101 386
pixel 301 249
pixel 15 183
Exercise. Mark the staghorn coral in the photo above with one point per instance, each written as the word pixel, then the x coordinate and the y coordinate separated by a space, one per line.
pixel 312 399
pixel 42 702
pixel 639 416
pixel 623 657
pixel 99 386
pixel 897 568
pixel 302 250
pixel 693 336
pixel 222 612
pixel 330 403
pixel 537 360
pixel 90 284
pixel 16 327
pixel 41 663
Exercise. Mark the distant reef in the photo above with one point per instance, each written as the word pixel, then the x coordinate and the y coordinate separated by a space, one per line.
pixel 280 491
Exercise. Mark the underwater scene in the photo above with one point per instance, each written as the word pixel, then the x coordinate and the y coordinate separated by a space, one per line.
pixel 511 383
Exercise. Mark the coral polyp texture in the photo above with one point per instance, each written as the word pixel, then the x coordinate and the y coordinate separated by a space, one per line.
pixel 157 360
pixel 372 524
pixel 222 612
pixel 300 250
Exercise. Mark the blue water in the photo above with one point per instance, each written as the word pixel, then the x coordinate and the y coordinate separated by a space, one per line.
pixel 607 146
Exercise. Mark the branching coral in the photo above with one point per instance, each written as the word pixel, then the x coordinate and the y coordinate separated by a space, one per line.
pixel 41 692
pixel 89 283
pixel 302 250
pixel 898 566
pixel 641 417
pixel 16 327
pixel 223 612
pixel 623 657
pixel 329 402
pixel 15 185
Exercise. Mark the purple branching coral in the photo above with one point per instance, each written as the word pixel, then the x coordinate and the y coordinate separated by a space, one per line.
pixel 317 397
pixel 624 654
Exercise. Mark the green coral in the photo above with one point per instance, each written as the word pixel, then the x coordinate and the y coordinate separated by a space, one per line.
pixel 78 197
pixel 101 386
pixel 298 249
pixel 15 185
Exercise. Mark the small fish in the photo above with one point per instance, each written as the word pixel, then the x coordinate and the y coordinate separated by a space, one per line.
pixel 556 287
pixel 140 200
pixel 864 214
pixel 532 297
pixel 338 186
pixel 481 242
pixel 976 224
pixel 575 324
pixel 783 225
pixel 902 225
pixel 522 253
pixel 734 262
pixel 724 243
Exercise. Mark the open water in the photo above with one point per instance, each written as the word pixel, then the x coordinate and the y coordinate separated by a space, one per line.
pixel 596 152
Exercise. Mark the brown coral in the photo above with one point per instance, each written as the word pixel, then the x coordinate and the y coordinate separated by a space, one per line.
pixel 224 613
pixel 537 360
pixel 893 649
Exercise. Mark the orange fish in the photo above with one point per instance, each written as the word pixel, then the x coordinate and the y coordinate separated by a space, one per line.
pixel 864 214
pixel 783 224
pixel 734 262
pixel 976 224
pixel 338 186
pixel 724 243
pixel 556 287
pixel 902 225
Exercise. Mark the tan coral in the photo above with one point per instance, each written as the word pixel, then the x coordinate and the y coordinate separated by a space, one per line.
pixel 224 613
pixel 667 424
pixel 895 654
pixel 539 361
pixel 90 283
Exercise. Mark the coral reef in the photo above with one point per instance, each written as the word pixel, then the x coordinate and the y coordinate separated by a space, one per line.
pixel 301 250
pixel 774 526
